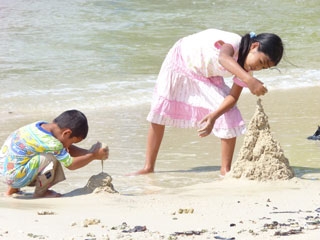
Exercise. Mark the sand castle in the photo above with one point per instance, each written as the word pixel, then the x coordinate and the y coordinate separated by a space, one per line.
pixel 261 156
pixel 100 183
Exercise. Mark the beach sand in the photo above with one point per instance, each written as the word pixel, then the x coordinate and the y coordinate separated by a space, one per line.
pixel 225 208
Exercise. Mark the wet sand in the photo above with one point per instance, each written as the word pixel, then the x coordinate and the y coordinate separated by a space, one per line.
pixel 187 177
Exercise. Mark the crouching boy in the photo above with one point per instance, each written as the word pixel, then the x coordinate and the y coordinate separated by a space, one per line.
pixel 33 154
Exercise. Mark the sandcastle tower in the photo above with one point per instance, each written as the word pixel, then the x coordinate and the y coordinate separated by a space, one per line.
pixel 261 156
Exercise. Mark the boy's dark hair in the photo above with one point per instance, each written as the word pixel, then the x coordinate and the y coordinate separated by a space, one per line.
pixel 75 120
pixel 269 43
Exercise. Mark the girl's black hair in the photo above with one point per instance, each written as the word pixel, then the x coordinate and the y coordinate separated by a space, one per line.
pixel 269 43
pixel 75 120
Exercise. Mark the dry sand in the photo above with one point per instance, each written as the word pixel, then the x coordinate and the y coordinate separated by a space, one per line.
pixel 226 209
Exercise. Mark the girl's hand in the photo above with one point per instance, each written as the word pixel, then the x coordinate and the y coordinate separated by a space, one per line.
pixel 256 87
pixel 207 128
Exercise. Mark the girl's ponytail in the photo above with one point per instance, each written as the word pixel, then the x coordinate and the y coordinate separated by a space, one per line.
pixel 269 43
pixel 244 48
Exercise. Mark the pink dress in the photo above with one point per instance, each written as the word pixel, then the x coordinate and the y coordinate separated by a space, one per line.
pixel 190 84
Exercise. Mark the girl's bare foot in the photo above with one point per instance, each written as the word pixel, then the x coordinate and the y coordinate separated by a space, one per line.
pixel 141 172
pixel 224 171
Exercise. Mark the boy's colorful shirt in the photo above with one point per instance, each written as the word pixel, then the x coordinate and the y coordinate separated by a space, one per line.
pixel 20 154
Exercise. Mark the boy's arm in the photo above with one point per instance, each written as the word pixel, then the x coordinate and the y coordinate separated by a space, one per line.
pixel 81 157
pixel 75 151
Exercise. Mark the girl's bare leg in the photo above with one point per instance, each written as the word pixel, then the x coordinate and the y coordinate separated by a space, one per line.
pixel 227 150
pixel 154 140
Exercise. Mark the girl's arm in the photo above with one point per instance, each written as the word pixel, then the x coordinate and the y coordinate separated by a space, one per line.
pixel 227 61
pixel 229 101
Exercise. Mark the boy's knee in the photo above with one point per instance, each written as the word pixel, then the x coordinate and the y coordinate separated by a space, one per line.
pixel 50 173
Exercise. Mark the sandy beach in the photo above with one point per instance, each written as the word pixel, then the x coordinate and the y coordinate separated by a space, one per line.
pixel 103 58
pixel 224 208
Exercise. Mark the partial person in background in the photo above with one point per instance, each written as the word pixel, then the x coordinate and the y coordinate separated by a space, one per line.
pixel 316 135
pixel 32 155
pixel 191 92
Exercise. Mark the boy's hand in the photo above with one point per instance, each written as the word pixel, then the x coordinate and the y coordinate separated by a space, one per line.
pixel 100 151
pixel 95 146
pixel 104 151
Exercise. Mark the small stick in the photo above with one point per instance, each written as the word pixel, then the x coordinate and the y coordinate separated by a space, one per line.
pixel 101 165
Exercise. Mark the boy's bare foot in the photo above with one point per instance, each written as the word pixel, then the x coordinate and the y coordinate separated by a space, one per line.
pixel 47 194
pixel 12 190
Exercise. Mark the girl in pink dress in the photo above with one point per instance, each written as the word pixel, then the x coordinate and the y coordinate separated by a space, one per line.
pixel 191 92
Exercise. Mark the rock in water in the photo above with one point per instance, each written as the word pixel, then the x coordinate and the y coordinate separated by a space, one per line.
pixel 261 156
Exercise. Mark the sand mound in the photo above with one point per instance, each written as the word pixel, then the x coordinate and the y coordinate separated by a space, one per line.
pixel 100 183
pixel 96 184
pixel 261 157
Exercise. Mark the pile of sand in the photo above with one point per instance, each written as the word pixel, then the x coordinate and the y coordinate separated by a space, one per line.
pixel 261 157
pixel 99 183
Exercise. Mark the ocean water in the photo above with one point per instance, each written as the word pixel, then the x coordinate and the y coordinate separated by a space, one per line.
pixel 102 57
pixel 93 54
